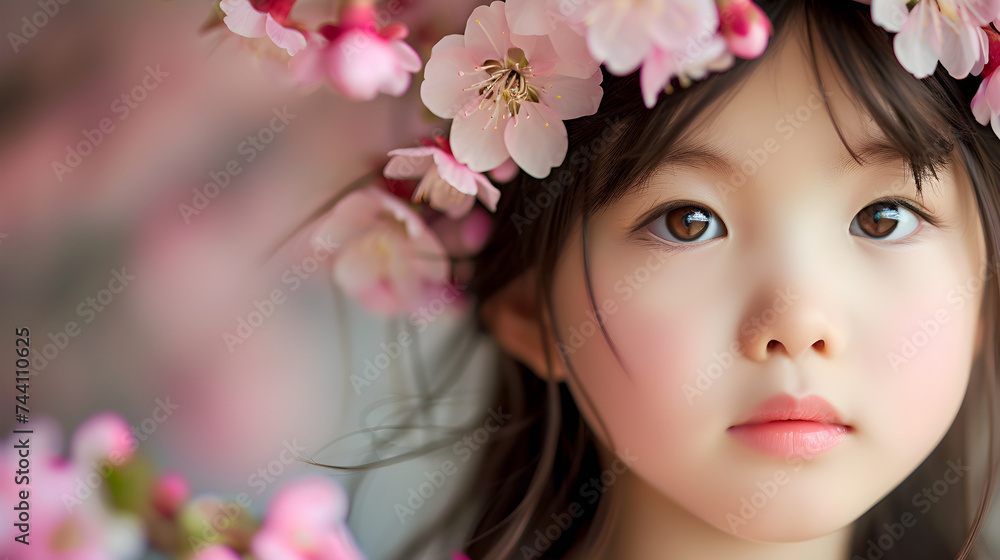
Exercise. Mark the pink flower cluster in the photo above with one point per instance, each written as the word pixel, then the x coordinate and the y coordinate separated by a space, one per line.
pixel 957 34
pixel 70 515
pixel 71 511
pixel 508 83
pixel 357 58
pixel 520 69
pixel 304 521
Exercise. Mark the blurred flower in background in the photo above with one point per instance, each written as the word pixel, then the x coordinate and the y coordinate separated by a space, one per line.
pixel 150 162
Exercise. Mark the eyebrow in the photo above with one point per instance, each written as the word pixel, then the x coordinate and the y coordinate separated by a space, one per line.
pixel 871 150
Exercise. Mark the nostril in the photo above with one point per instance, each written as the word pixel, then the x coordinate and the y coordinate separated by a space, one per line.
pixel 820 345
pixel 772 343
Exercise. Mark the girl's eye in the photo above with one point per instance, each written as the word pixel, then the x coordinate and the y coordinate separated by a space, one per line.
pixel 885 221
pixel 687 223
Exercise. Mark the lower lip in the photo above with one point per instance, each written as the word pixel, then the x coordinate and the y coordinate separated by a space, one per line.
pixel 790 438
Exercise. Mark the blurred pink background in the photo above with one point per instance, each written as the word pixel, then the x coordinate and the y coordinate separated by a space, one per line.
pixel 191 101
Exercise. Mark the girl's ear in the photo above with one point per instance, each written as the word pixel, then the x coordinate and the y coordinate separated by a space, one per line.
pixel 512 316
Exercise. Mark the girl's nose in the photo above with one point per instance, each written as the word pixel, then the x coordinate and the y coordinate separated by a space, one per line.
pixel 789 322
pixel 795 304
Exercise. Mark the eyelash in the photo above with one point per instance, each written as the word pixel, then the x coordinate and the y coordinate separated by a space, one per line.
pixel 646 238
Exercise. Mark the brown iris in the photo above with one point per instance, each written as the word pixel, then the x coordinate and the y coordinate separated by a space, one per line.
pixel 688 222
pixel 879 220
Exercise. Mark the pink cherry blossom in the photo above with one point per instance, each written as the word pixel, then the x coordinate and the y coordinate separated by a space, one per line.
pixel 623 34
pixel 170 492
pixel 745 27
pixel 507 94
pixel 257 18
pixel 386 255
pixel 448 185
pixel 359 61
pixel 101 437
pixel 547 17
pixel 306 521
pixel 660 67
pixel 71 518
pixel 986 103
pixel 949 31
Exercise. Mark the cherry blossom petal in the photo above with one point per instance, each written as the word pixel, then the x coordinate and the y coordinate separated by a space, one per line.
pixel 913 49
pixel 613 39
pixel 452 41
pixel 448 76
pixel 528 17
pixel 575 59
pixel 571 97
pixel 477 141
pixel 656 71
pixel 538 142
pixel 890 14
pixel 408 163
pixel 292 40
pixel 443 196
pixel 486 32
pixel 456 174
pixel 407 62
pixel 986 103
pixel 102 436
pixel 351 216
pixel 242 19
pixel 360 73
pixel 487 193
pixel 980 12
pixel 961 49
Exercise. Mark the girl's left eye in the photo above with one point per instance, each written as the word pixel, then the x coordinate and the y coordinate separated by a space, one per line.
pixel 687 223
pixel 887 220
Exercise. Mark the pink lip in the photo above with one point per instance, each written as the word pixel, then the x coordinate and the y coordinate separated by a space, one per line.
pixel 786 427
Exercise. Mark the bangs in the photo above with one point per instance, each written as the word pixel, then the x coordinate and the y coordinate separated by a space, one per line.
pixel 919 120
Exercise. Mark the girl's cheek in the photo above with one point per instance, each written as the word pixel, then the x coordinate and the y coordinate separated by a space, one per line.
pixel 920 363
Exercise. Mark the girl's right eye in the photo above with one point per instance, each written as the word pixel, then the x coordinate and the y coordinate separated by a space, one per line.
pixel 687 223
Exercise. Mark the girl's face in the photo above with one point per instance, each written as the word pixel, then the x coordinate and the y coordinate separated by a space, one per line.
pixel 772 275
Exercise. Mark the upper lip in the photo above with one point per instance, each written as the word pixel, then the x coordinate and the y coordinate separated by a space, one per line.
pixel 811 408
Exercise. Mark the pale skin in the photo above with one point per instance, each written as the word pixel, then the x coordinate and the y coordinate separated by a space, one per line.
pixel 815 307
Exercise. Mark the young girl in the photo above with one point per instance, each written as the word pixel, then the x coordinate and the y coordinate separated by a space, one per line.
pixel 756 321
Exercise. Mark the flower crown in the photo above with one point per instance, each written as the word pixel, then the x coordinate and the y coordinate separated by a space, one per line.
pixel 519 70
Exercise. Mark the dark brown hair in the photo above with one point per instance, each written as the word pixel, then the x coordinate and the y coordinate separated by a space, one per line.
pixel 535 464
